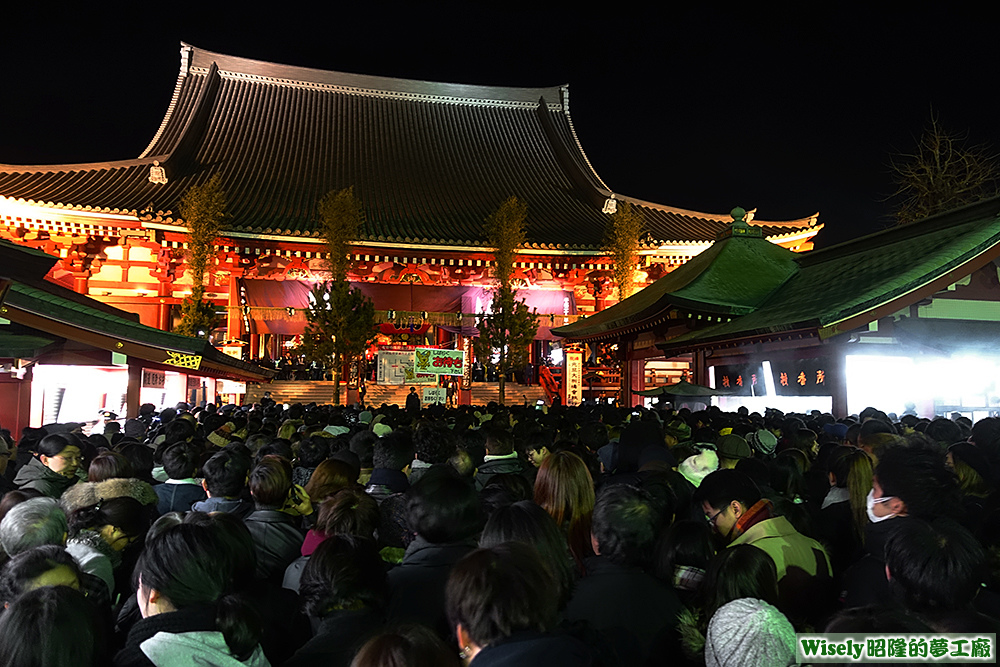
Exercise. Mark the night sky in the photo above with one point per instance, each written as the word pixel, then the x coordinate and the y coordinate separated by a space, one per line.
pixel 791 110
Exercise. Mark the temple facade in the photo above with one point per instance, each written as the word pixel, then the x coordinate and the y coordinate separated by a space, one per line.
pixel 428 161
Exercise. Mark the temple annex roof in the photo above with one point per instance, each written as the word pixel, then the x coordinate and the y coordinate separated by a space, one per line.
pixel 430 161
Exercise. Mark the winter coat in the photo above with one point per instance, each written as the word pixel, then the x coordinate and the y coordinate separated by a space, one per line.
pixel 35 475
pixel 86 494
pixel 493 467
pixel 533 649
pixel 277 540
pixel 95 556
pixel 238 506
pixel 338 638
pixel 865 582
pixel 416 586
pixel 185 637
pixel 177 496
pixel 805 578
pixel 634 611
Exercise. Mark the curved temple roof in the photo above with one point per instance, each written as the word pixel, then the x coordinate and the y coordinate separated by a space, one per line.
pixel 430 161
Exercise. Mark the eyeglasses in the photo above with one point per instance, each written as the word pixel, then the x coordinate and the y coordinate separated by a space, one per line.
pixel 711 519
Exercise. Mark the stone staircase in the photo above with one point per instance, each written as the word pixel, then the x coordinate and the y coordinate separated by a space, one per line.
pixel 321 391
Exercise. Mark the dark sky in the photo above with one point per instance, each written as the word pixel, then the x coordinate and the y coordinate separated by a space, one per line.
pixel 790 110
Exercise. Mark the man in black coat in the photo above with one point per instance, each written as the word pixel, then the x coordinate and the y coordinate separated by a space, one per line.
pixel 443 509
pixel 500 457
pixel 635 613
pixel 413 402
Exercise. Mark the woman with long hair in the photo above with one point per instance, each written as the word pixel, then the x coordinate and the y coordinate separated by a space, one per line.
pixel 565 489
pixel 843 517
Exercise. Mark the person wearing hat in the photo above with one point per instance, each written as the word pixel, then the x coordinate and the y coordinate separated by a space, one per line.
pixel 732 448
pixel 749 632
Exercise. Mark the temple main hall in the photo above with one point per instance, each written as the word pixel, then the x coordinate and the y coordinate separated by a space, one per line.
pixel 428 161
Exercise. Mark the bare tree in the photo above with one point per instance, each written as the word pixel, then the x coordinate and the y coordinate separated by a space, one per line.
pixel 944 172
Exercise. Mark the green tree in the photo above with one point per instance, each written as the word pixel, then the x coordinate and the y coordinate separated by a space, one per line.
pixel 621 243
pixel 944 172
pixel 340 320
pixel 507 331
pixel 203 208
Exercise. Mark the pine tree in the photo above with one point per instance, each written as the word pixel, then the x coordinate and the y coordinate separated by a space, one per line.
pixel 340 321
pixel 621 243
pixel 507 331
pixel 203 208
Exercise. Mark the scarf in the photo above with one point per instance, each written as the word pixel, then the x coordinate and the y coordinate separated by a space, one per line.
pixel 760 511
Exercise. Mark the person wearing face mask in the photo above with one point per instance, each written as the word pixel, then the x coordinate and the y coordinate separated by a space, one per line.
pixel 910 480
pixel 99 535
pixel 739 514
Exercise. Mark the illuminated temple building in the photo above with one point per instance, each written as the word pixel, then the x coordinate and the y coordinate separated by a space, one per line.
pixel 429 162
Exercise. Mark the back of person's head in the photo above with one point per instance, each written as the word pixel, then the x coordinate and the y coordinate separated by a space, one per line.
pixel 108 465
pixel 226 473
pixel 434 442
pixel 233 538
pixel 52 626
pixel 943 431
pixel 140 458
pixel 363 445
pixel 625 525
pixel 180 461
pixel 493 593
pixel 392 452
pixel 205 579
pixel 127 514
pixel 722 487
pixel 406 646
pixel 443 507
pixel 686 543
pixel 348 512
pixel 313 450
pixel 527 523
pixel 178 430
pixel 918 475
pixel 329 477
pixel 934 566
pixel 270 481
pixel 499 442
pixel 47 565
pixel 742 571
pixel 33 523
pixel 345 572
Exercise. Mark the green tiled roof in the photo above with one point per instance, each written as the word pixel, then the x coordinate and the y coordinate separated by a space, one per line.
pixel 78 314
pixel 21 346
pixel 731 277
pixel 850 279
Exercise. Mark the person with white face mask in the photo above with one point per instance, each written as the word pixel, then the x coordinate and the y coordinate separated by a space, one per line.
pixel 910 480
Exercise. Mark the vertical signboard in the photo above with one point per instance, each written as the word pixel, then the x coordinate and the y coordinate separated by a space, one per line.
pixel 573 377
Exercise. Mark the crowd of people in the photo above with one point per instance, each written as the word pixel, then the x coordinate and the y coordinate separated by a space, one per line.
pixel 490 536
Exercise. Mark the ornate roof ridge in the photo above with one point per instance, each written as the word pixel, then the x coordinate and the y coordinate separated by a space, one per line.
pixel 197 61
pixel 81 166
pixel 806 221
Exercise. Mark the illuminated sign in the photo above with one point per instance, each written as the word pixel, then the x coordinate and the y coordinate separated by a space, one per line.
pixel 745 380
pixel 802 377
pixel 574 377
pixel 429 360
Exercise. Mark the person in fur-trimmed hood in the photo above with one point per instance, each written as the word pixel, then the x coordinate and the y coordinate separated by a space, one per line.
pixel 87 494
